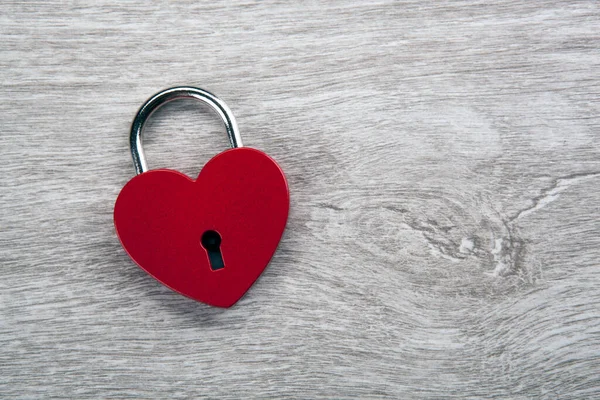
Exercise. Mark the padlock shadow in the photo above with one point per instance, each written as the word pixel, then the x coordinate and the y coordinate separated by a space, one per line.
pixel 185 308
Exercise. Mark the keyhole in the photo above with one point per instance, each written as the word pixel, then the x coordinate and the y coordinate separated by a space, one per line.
pixel 211 241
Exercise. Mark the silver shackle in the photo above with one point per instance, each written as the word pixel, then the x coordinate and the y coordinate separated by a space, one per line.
pixel 166 96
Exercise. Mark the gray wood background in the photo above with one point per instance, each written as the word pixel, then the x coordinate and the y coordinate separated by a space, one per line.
pixel 444 167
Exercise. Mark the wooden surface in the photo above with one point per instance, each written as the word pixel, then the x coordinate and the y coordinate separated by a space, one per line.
pixel 444 167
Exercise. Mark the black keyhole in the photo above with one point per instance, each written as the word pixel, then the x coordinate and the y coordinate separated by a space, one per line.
pixel 211 241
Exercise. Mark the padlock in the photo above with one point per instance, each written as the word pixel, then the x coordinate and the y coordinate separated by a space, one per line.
pixel 208 238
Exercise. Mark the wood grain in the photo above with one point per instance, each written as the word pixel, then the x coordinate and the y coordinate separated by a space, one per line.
pixel 444 167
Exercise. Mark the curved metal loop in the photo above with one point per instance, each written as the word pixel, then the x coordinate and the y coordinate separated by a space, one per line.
pixel 166 96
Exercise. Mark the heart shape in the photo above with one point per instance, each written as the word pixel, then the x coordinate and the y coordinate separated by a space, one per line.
pixel 161 215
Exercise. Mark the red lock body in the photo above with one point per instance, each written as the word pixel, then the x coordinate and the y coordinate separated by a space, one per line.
pixel 161 215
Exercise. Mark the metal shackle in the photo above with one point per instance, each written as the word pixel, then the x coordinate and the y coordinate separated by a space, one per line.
pixel 166 96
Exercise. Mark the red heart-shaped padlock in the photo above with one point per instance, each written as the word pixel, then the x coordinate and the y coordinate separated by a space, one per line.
pixel 212 237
